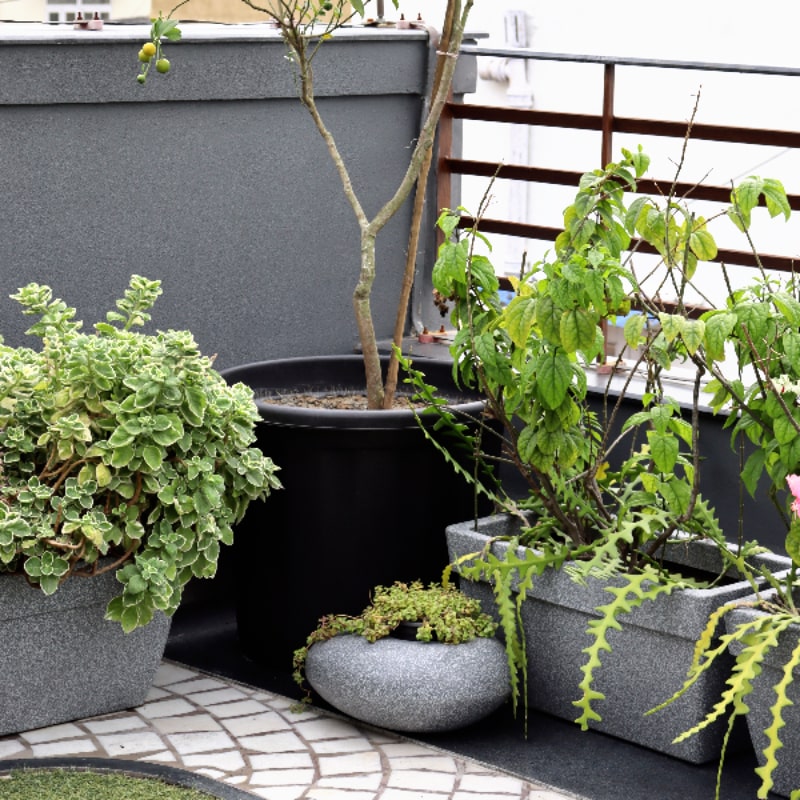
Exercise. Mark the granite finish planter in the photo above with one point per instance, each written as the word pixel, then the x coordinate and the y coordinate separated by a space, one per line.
pixel 361 505
pixel 61 660
pixel 649 657
pixel 408 685
pixel 786 775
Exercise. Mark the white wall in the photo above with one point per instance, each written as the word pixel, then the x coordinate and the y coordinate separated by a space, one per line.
pixel 38 10
pixel 735 32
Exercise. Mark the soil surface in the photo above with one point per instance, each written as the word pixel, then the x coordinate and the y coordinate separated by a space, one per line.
pixel 335 400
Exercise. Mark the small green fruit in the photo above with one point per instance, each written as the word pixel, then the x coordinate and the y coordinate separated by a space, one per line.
pixel 141 78
pixel 143 56
pixel 162 65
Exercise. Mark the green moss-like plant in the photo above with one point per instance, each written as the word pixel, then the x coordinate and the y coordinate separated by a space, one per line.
pixel 121 451
pixel 78 784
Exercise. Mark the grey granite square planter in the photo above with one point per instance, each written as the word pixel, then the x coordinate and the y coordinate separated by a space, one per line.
pixel 61 660
pixel 786 776
pixel 649 656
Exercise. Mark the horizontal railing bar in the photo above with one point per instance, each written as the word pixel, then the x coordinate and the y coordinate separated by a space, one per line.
pixel 488 169
pixel 625 61
pixel 549 234
pixel 593 122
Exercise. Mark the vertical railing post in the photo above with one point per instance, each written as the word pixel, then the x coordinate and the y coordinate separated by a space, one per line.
pixel 607 132
pixel 608 116
pixel 444 143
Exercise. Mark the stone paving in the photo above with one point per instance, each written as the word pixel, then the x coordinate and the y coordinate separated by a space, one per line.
pixel 253 740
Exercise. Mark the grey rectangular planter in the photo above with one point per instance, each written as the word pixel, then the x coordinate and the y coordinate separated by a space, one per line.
pixel 786 776
pixel 61 660
pixel 649 655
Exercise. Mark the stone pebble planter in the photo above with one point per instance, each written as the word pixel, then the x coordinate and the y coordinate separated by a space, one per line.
pixel 61 660
pixel 408 685
pixel 786 776
pixel 649 656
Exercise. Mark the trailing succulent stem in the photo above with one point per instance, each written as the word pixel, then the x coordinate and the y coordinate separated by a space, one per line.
pixel 752 641
pixel 648 584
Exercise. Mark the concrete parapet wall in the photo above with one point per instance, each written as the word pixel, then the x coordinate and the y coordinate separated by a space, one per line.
pixel 212 178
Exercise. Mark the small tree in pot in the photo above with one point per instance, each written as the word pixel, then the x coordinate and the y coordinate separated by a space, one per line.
pixel 304 26
pixel 346 457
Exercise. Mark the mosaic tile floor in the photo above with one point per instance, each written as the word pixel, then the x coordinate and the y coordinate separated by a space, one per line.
pixel 251 739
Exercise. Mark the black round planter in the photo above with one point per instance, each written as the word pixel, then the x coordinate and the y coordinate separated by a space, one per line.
pixel 365 502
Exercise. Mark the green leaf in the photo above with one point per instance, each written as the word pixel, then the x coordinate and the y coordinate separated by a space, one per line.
pixel 577 330
pixel 121 456
pixel 495 363
pixel 785 429
pixel 745 197
pixel 483 273
pixel 788 306
pixel 554 373
pixel 519 318
pixel 102 475
pixel 49 583
pixel 120 437
pixel 548 318
pixel 753 468
pixel 672 325
pixel 526 443
pixel 195 404
pixel 663 450
pixel 676 493
pixel 791 346
pixel 153 456
pixel 702 244
pixel 634 326
pixel 167 429
pixel 693 334
pixel 775 198
pixel 718 326
pixel 793 542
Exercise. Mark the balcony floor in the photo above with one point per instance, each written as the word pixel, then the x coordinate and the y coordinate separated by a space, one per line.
pixel 215 713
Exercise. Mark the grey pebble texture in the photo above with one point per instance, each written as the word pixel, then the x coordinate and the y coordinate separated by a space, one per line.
pixel 61 660
pixel 409 685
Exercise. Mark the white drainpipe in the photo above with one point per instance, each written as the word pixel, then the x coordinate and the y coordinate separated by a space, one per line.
pixel 519 94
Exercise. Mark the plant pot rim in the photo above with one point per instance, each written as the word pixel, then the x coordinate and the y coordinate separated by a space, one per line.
pixel 352 365
pixel 684 611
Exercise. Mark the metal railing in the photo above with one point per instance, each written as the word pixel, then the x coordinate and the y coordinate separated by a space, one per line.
pixel 606 124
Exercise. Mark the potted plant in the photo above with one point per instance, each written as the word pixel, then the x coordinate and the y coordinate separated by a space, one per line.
pixel 355 534
pixel 417 658
pixel 611 520
pixel 126 461
pixel 763 629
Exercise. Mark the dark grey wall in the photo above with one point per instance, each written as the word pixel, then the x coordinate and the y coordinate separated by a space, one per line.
pixel 212 179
